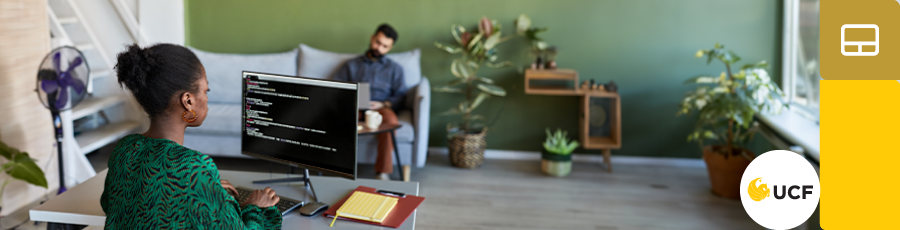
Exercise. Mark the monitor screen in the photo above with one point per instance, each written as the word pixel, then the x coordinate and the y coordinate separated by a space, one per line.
pixel 299 121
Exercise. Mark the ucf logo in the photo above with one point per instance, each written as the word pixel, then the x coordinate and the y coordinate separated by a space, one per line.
pixel 760 192
pixel 757 193
pixel 789 195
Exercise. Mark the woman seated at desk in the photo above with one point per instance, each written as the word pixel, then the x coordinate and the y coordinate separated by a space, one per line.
pixel 153 181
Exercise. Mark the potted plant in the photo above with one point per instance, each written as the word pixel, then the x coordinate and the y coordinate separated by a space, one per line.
pixel 545 55
pixel 19 166
pixel 725 105
pixel 477 48
pixel 556 159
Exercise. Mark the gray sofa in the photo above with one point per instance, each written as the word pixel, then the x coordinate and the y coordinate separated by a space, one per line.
pixel 220 134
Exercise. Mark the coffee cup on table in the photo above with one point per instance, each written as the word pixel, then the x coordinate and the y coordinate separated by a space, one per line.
pixel 373 119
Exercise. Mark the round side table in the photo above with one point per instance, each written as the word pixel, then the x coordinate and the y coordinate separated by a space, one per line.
pixel 385 128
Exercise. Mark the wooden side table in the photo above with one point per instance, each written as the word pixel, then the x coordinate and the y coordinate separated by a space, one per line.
pixel 605 143
pixel 390 129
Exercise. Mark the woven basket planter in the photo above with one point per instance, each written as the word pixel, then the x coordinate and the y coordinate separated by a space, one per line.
pixel 467 150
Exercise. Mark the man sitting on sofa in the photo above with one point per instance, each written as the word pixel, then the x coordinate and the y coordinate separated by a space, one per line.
pixel 385 78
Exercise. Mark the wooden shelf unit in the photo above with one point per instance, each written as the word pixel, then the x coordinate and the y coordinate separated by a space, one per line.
pixel 555 74
pixel 605 143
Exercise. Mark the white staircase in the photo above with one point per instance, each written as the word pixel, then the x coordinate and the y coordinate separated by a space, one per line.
pixel 109 113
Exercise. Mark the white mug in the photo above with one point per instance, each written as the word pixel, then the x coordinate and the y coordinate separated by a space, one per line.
pixel 373 119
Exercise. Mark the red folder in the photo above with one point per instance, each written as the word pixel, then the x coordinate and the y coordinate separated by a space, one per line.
pixel 401 212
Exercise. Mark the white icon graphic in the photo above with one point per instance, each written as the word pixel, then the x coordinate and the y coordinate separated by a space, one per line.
pixel 859 44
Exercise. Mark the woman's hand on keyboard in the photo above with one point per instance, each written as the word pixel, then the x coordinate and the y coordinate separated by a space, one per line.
pixel 229 188
pixel 263 198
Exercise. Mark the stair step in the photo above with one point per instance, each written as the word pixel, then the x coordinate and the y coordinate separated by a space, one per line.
pixel 97 74
pixel 92 105
pixel 67 20
pixel 94 139
pixel 84 46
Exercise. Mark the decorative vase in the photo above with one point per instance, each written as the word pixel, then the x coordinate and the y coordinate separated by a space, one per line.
pixel 551 64
pixel 557 165
pixel 467 150
pixel 725 171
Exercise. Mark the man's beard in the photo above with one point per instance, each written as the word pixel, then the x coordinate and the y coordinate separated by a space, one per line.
pixel 374 54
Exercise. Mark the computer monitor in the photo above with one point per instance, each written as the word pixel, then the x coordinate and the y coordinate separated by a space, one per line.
pixel 302 122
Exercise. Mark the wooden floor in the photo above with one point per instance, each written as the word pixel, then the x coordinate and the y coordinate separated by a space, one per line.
pixel 513 194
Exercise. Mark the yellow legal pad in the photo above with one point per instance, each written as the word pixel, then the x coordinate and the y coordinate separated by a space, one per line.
pixel 366 206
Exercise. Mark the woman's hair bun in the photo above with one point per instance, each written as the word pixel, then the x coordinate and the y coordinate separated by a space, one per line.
pixel 134 66
pixel 157 73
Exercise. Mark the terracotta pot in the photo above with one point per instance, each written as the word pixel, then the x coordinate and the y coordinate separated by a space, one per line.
pixel 725 171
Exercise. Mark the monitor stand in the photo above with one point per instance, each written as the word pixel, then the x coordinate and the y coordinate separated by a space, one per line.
pixel 308 208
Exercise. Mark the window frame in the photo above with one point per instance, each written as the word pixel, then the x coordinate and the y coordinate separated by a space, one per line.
pixel 790 55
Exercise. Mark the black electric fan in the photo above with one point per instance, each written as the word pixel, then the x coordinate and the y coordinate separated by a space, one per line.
pixel 61 84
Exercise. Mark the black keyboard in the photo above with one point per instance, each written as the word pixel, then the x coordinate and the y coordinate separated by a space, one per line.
pixel 284 205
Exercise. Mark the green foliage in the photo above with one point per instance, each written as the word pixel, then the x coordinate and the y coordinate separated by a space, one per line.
pixel 476 49
pixel 727 103
pixel 20 166
pixel 558 143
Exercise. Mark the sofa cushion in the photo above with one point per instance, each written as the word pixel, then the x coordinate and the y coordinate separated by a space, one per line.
pixel 315 63
pixel 411 63
pixel 224 70
pixel 225 119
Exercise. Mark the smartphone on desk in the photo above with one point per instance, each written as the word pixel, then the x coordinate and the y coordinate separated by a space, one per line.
pixel 391 193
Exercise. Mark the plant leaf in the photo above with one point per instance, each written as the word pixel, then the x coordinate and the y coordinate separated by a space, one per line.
pixel 475 39
pixel 702 80
pixel 461 69
pixel 486 80
pixel 453 29
pixel 447 89
pixel 454 70
pixel 498 65
pixel 522 24
pixel 492 89
pixel 473 64
pixel 7 152
pixel 478 100
pixel 455 82
pixel 22 167
pixel 492 41
pixel 447 48
pixel 464 106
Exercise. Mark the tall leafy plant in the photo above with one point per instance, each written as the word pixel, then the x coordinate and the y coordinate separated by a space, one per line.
pixel 476 48
pixel 20 166
pixel 727 103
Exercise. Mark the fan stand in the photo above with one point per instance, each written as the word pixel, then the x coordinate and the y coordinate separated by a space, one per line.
pixel 57 127
pixel 58 131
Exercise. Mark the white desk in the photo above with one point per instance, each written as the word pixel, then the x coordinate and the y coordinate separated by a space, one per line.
pixel 81 204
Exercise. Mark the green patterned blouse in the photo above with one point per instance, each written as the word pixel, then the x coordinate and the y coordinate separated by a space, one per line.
pixel 159 184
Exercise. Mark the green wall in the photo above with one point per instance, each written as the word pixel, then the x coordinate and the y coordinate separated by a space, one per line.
pixel 645 46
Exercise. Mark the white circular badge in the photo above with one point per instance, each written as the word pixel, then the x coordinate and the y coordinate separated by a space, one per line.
pixel 780 189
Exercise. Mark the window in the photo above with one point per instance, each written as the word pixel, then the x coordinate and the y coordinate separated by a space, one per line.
pixel 800 67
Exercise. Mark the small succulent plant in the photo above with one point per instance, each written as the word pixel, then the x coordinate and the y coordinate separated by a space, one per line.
pixel 558 143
